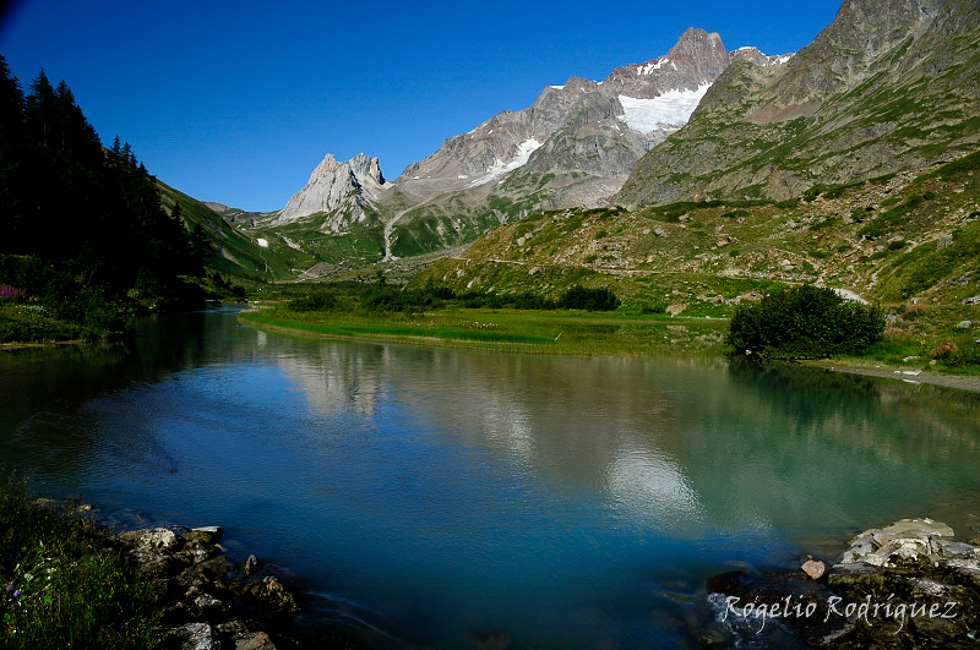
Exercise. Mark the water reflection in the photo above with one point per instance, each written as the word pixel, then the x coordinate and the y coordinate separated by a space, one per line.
pixel 446 491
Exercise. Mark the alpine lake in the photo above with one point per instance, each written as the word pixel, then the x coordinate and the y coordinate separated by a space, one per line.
pixel 441 498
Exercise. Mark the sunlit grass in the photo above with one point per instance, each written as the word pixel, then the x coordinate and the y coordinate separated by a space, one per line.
pixel 546 332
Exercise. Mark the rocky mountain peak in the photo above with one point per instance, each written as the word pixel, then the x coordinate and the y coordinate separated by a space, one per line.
pixel 700 51
pixel 336 188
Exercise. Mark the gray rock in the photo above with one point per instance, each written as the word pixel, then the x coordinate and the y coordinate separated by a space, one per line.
pixel 157 565
pixel 192 636
pixel 196 551
pixel 958 549
pixel 250 565
pixel 270 594
pixel 150 539
pixel 964 324
pixel 905 541
pixel 975 300
pixel 255 641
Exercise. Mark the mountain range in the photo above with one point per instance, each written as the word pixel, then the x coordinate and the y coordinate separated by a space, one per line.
pixel 856 164
pixel 576 145
pixel 891 86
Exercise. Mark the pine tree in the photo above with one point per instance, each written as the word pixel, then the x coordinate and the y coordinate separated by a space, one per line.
pixel 12 136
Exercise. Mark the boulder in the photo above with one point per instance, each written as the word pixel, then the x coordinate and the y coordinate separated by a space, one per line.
pixel 250 565
pixel 814 569
pixel 156 565
pixel 150 539
pixel 270 595
pixel 192 636
pixel 196 551
pixel 206 534
pixel 906 541
pixel 255 641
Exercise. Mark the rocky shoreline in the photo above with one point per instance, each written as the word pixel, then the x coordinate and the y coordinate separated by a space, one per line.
pixel 907 585
pixel 212 603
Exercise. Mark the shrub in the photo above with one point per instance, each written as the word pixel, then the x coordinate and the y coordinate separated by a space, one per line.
pixel 804 322
pixel 967 355
pixel 314 301
pixel 601 299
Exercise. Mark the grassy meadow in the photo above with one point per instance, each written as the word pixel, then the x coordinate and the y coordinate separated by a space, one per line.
pixel 505 330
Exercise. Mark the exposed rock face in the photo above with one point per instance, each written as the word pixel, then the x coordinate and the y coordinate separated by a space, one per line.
pixel 600 129
pixel 343 191
pixel 889 85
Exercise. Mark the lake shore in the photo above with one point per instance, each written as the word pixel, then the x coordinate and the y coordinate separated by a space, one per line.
pixel 190 594
pixel 563 333
pixel 870 369
pixel 604 333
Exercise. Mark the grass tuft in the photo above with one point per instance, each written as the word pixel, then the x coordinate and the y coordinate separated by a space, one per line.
pixel 63 584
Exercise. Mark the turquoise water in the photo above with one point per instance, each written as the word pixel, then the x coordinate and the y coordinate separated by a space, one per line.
pixel 432 497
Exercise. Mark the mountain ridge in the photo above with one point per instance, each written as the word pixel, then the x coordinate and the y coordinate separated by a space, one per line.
pixel 887 86
pixel 575 145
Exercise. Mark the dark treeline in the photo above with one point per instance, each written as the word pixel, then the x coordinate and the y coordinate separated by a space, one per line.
pixel 383 298
pixel 91 215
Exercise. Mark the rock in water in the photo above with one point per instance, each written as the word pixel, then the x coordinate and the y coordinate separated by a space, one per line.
pixel 814 569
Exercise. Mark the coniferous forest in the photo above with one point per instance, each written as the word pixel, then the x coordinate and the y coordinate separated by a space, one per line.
pixel 84 237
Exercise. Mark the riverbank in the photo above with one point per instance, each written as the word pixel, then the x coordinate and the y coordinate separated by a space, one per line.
pixel 961 382
pixel 560 333
pixel 65 580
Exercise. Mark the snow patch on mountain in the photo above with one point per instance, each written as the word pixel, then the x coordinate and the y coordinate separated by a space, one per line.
pixel 499 168
pixel 671 109
pixel 650 67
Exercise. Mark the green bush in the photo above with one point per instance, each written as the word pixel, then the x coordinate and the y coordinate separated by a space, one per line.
pixel 804 322
pixel 966 355
pixel 601 299
pixel 314 301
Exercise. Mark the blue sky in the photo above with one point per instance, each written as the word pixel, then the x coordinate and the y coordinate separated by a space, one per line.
pixel 237 101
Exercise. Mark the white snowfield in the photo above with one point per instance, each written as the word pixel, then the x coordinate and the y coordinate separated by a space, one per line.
pixel 672 109
pixel 650 67
pixel 499 168
pixel 263 243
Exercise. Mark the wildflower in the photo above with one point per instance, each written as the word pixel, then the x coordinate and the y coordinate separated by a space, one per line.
pixel 17 593
pixel 7 291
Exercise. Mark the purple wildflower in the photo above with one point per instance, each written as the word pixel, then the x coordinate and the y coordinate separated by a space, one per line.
pixel 8 587
pixel 17 593
pixel 7 291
